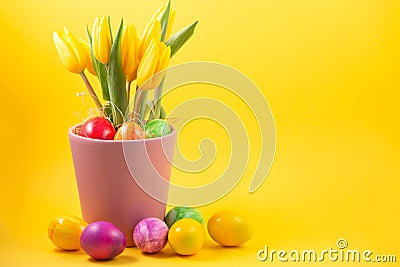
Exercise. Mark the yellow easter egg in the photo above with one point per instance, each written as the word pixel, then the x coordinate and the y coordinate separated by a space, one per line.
pixel 229 228
pixel 186 236
pixel 65 232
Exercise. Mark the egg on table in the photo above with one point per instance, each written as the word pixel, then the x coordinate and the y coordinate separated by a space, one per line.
pixel 186 236
pixel 229 228
pixel 65 232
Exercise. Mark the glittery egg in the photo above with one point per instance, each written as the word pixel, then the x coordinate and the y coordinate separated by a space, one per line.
pixel 150 235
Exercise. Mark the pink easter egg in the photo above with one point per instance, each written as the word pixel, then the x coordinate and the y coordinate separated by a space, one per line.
pixel 103 240
pixel 150 235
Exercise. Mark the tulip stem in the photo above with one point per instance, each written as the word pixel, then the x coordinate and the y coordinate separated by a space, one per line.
pixel 143 103
pixel 138 100
pixel 128 91
pixel 157 99
pixel 92 92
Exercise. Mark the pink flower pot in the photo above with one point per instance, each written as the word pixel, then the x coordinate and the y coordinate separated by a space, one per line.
pixel 107 189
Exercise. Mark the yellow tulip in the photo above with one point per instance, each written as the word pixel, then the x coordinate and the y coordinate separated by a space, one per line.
pixel 152 30
pixel 155 60
pixel 71 52
pixel 148 64
pixel 101 39
pixel 165 54
pixel 171 21
pixel 129 52
pixel 89 65
pixel 157 14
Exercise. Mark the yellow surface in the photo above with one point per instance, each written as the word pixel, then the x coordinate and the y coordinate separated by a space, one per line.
pixel 329 70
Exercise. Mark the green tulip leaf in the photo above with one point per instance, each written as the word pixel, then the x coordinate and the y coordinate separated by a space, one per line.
pixel 180 38
pixel 116 78
pixel 163 114
pixel 165 20
pixel 109 27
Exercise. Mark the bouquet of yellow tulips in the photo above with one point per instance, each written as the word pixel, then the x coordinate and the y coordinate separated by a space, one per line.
pixel 124 60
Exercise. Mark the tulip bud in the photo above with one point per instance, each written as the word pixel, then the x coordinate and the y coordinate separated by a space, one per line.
pixel 89 65
pixel 129 52
pixel 157 15
pixel 155 60
pixel 165 54
pixel 148 64
pixel 171 21
pixel 159 73
pixel 153 30
pixel 71 52
pixel 101 39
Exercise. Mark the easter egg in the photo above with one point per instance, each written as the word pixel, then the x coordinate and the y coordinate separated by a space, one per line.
pixel 157 128
pixel 97 128
pixel 229 228
pixel 130 131
pixel 150 235
pixel 186 236
pixel 65 232
pixel 179 213
pixel 103 240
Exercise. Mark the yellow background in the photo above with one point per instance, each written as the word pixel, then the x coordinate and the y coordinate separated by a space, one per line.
pixel 329 70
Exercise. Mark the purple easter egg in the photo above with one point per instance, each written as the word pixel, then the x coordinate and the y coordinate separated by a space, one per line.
pixel 150 235
pixel 103 240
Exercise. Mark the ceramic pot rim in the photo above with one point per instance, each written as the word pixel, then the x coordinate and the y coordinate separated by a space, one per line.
pixel 77 138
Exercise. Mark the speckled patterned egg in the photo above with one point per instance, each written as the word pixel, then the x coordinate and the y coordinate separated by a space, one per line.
pixel 150 235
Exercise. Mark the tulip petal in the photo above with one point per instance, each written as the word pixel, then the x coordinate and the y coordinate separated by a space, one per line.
pixel 164 59
pixel 67 53
pixel 162 65
pixel 129 47
pixel 101 39
pixel 153 31
pixel 89 64
pixel 148 64
pixel 105 40
pixel 77 48
pixel 171 21
pixel 95 37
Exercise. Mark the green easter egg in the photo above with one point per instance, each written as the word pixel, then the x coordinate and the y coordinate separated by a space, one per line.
pixel 179 213
pixel 157 128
